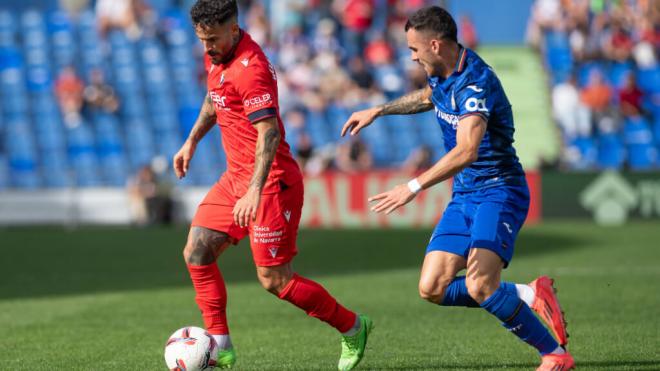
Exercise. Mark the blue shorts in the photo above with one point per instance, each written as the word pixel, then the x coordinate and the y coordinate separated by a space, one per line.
pixel 488 219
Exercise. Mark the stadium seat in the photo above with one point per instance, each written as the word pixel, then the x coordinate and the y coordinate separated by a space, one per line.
pixel 649 79
pixel 638 137
pixel 611 152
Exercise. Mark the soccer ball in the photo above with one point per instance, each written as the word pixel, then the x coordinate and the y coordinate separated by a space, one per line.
pixel 191 349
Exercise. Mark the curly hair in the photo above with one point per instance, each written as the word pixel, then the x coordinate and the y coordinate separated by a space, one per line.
pixel 434 19
pixel 210 12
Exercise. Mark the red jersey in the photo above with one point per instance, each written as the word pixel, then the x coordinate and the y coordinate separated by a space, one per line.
pixel 244 91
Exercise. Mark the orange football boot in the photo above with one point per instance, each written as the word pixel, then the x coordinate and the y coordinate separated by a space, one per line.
pixel 547 306
pixel 557 362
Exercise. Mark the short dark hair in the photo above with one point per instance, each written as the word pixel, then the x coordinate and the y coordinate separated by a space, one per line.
pixel 210 12
pixel 434 19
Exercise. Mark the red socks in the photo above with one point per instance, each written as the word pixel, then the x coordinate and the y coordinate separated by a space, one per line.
pixel 317 302
pixel 211 296
pixel 301 292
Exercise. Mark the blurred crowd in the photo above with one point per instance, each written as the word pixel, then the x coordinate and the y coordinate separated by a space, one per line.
pixel 602 58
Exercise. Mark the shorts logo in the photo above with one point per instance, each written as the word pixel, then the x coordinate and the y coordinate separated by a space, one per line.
pixel 508 227
pixel 474 104
pixel 245 62
pixel 287 215
pixel 273 251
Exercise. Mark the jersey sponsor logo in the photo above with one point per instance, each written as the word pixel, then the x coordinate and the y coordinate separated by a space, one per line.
pixel 219 101
pixel 476 105
pixel 475 88
pixel 245 62
pixel 448 118
pixel 258 101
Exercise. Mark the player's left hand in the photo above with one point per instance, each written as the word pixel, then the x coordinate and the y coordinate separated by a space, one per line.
pixel 246 207
pixel 392 199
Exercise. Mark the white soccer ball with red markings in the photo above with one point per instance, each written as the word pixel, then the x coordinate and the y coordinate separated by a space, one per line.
pixel 191 349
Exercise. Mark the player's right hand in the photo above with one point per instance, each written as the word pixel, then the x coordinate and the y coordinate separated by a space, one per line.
pixel 359 120
pixel 181 159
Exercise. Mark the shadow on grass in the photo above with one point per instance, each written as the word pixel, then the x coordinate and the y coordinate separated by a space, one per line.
pixel 53 261
pixel 592 365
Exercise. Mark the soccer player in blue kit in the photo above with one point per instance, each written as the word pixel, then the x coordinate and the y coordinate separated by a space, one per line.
pixel 490 195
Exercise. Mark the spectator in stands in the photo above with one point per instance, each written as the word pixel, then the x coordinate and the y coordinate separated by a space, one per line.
pixel 125 15
pixel 353 156
pixel 360 74
pixel 619 44
pixel 546 15
pixel 630 97
pixel 569 111
pixel 141 188
pixel 149 197
pixel 99 95
pixel 467 33
pixel 356 17
pixel 597 95
pixel 69 91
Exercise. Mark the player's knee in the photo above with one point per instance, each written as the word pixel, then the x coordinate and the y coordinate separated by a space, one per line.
pixel 203 246
pixel 198 254
pixel 480 288
pixel 272 281
pixel 433 290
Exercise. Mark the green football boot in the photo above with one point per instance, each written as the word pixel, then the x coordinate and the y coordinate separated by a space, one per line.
pixel 226 358
pixel 352 347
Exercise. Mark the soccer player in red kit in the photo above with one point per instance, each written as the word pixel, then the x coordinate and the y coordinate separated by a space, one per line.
pixel 261 193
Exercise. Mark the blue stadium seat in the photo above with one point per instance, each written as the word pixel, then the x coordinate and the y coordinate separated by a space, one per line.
pixel 649 79
pixel 611 152
pixel 55 169
pixel 585 154
pixel 86 168
pixel 638 138
pixel 113 168
pixel 318 128
pixel 4 172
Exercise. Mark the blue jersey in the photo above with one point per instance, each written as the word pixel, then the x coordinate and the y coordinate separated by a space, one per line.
pixel 474 89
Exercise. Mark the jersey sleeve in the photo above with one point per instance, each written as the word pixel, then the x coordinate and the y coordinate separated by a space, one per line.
pixel 476 97
pixel 257 88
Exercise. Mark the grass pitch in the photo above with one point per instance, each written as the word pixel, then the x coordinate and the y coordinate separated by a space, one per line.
pixel 108 298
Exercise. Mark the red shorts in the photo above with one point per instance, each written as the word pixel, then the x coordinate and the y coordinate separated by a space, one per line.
pixel 272 235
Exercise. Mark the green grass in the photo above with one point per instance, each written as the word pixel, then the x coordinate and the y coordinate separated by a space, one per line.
pixel 107 299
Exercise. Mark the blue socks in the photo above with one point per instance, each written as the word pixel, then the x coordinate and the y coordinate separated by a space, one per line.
pixel 456 294
pixel 519 319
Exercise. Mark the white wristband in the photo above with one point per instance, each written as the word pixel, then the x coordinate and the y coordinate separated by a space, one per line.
pixel 414 186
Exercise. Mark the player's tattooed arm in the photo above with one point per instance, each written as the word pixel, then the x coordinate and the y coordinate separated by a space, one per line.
pixel 205 121
pixel 415 102
pixel 267 142
pixel 268 138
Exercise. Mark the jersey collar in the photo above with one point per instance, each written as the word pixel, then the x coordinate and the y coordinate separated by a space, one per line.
pixel 462 56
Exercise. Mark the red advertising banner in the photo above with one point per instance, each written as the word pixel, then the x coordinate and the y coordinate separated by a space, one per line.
pixel 340 200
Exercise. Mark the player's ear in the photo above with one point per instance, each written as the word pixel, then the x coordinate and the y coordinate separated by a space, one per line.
pixel 235 29
pixel 435 46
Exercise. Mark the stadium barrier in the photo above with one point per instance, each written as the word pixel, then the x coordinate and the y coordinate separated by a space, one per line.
pixel 332 200
pixel 609 198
